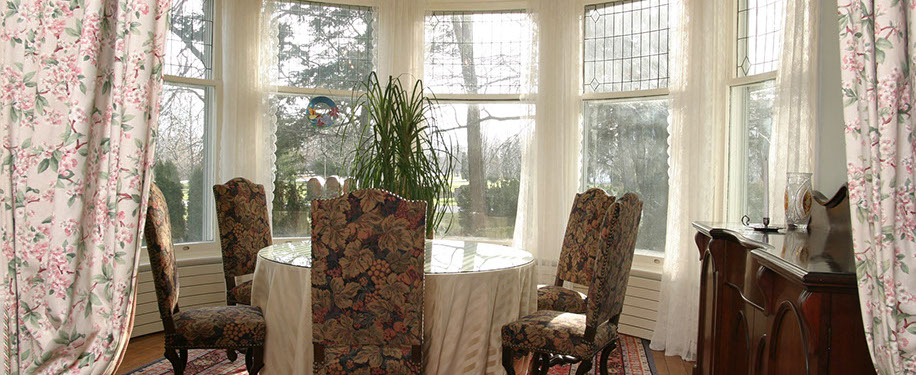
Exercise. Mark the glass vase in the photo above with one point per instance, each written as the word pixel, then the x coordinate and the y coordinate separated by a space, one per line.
pixel 798 199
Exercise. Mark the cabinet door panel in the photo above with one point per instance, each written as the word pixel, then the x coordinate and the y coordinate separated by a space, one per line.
pixel 786 349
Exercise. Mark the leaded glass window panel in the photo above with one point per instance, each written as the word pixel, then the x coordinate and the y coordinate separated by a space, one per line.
pixel 189 44
pixel 478 53
pixel 325 45
pixel 626 46
pixel 759 42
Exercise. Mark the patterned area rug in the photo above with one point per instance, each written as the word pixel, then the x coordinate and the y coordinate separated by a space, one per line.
pixel 203 362
pixel 631 358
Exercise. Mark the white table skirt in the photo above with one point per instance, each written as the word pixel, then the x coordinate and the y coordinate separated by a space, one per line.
pixel 464 313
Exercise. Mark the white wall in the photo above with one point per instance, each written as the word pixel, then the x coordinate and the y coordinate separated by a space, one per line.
pixel 831 145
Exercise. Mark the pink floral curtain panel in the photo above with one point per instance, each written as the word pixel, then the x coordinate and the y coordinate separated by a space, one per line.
pixel 79 90
pixel 878 43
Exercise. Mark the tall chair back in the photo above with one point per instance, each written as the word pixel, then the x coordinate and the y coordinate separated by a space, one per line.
pixel 244 228
pixel 580 244
pixel 608 288
pixel 367 272
pixel 158 233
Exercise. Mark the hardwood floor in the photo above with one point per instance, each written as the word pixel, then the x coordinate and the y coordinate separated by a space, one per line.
pixel 145 349
pixel 142 350
pixel 671 365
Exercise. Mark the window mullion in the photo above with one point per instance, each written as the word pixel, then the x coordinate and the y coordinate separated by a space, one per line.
pixel 625 94
pixel 187 81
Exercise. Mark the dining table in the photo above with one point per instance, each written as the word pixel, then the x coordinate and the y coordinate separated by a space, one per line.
pixel 472 289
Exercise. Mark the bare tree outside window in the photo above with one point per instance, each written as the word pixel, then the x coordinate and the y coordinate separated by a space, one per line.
pixel 182 162
pixel 474 54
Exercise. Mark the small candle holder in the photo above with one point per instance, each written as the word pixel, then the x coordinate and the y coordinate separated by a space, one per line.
pixel 760 227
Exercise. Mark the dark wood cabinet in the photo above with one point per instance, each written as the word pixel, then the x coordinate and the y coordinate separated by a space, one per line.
pixel 781 303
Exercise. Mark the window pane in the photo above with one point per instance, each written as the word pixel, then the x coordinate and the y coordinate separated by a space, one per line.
pixel 182 167
pixel 752 119
pixel 305 152
pixel 626 150
pixel 626 46
pixel 477 53
pixel 324 45
pixel 189 46
pixel 760 24
pixel 489 155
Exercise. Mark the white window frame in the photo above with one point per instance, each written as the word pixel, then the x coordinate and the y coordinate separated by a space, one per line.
pixel 211 143
pixel 736 173
pixel 644 258
pixel 474 7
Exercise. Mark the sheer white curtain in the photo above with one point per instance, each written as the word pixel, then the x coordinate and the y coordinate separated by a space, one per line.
pixel 697 128
pixel 551 166
pixel 248 117
pixel 401 38
pixel 794 131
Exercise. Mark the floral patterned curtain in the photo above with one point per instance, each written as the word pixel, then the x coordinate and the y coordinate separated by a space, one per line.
pixel 79 91
pixel 878 44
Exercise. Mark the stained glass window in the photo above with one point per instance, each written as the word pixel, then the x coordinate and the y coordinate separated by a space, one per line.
pixel 478 53
pixel 759 41
pixel 626 46
pixel 325 45
pixel 189 46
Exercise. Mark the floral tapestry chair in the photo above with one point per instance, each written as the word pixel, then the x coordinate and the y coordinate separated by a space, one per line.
pixel 239 328
pixel 244 229
pixel 559 337
pixel 577 256
pixel 367 283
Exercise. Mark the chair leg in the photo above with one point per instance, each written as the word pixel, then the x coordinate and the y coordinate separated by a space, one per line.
pixel 254 359
pixel 508 360
pixel 544 364
pixel 232 355
pixel 584 367
pixel 602 366
pixel 178 359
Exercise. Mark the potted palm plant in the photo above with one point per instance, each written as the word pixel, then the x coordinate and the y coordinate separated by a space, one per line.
pixel 397 148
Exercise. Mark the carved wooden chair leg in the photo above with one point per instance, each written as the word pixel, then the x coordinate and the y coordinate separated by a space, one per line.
pixel 232 355
pixel 177 360
pixel 254 359
pixel 508 360
pixel 258 359
pixel 602 365
pixel 584 367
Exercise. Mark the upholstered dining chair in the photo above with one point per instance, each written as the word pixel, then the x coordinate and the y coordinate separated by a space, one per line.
pixel 559 337
pixel 244 229
pixel 577 256
pixel 367 283
pixel 239 328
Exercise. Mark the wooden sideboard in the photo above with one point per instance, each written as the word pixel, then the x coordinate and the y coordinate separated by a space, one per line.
pixel 782 303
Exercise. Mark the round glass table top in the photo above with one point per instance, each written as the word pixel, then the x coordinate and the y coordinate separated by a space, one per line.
pixel 442 256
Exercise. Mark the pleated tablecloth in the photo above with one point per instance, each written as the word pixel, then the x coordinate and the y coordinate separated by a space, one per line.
pixel 472 290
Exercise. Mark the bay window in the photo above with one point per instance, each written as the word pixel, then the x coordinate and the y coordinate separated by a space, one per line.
pixel 477 67
pixel 625 109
